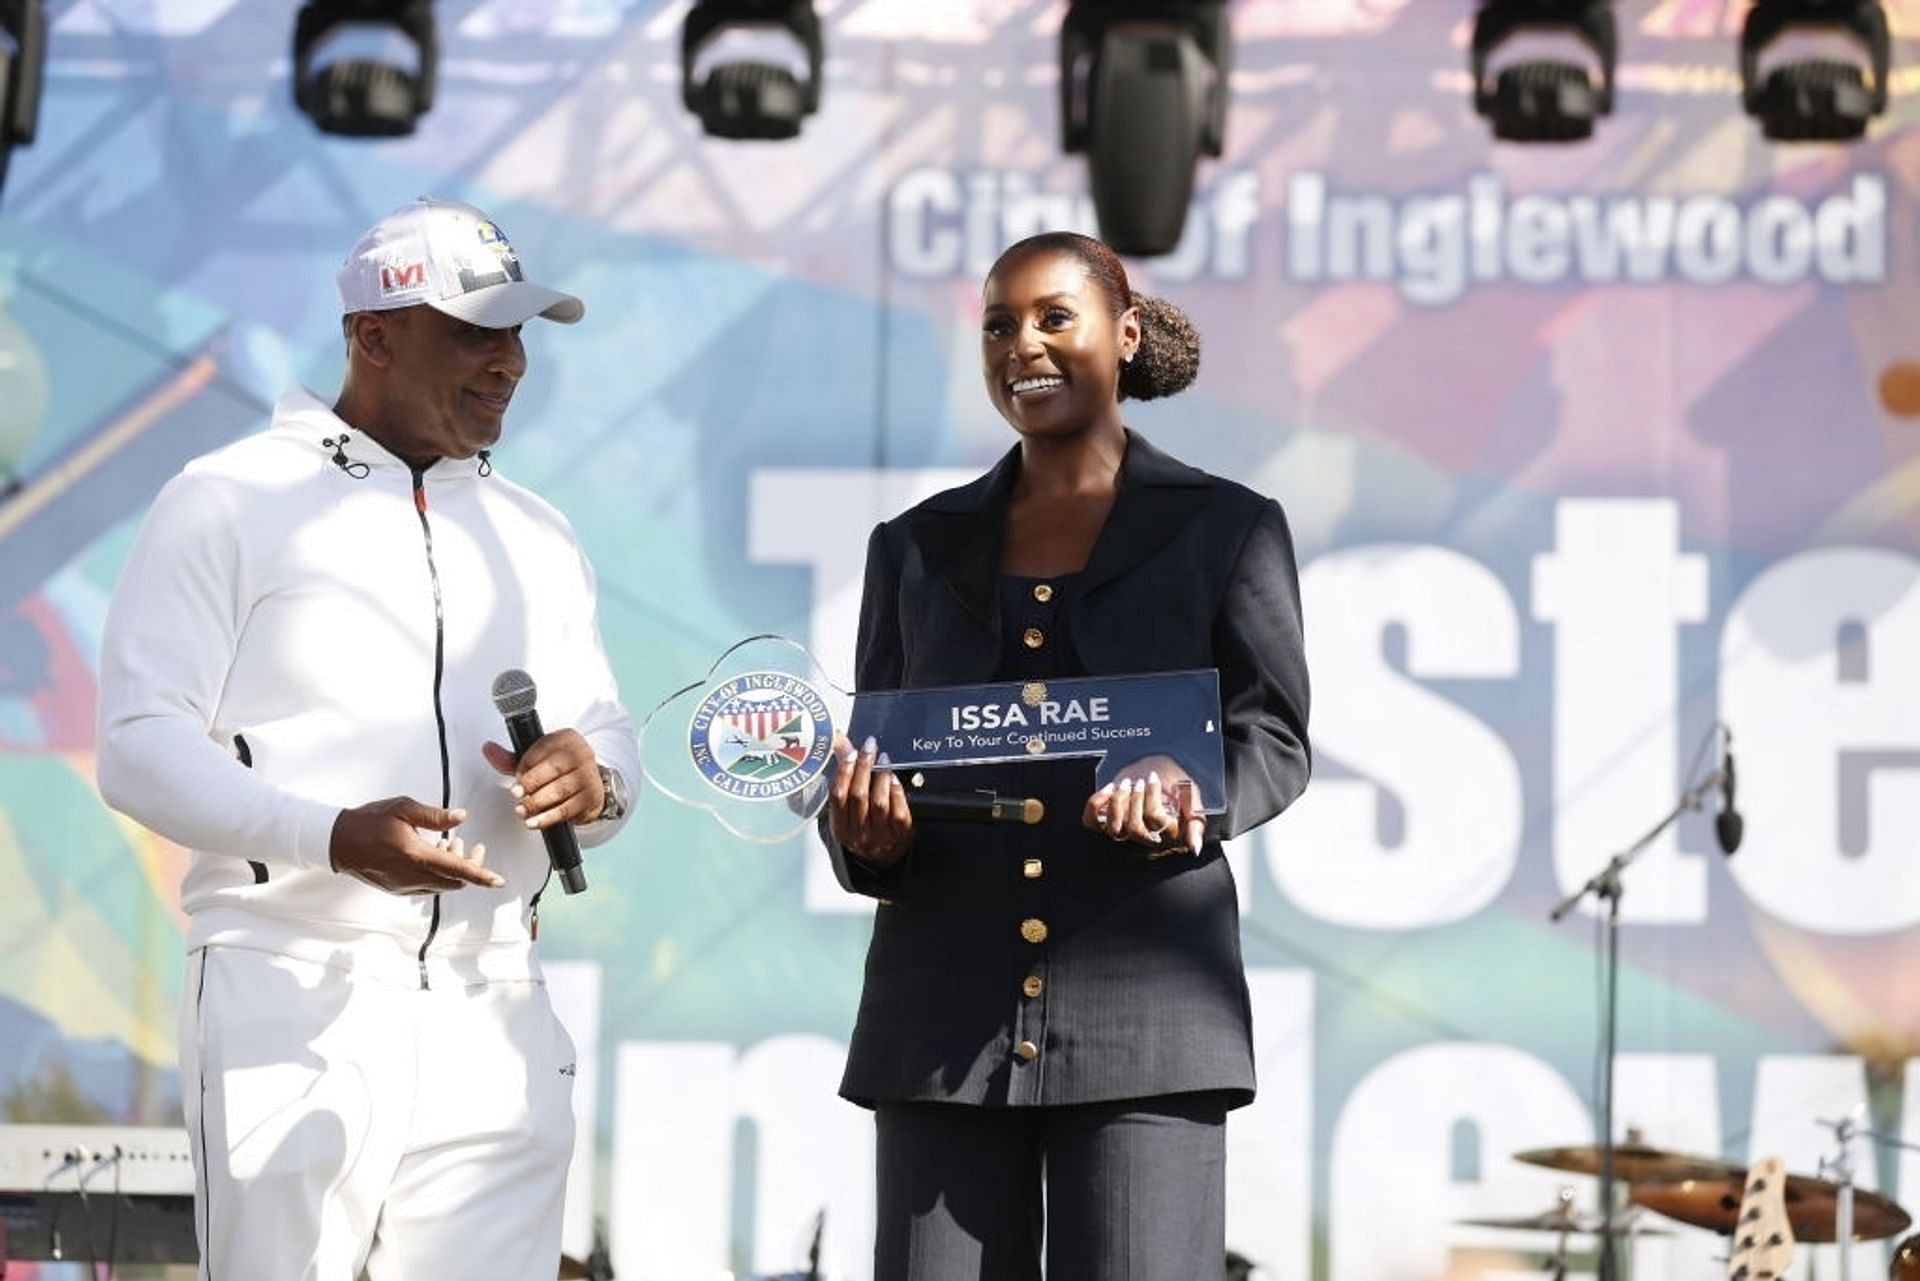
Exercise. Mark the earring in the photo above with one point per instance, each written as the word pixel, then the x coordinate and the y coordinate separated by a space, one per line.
pixel 1127 359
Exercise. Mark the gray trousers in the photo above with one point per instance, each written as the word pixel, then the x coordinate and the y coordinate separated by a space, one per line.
pixel 1134 1191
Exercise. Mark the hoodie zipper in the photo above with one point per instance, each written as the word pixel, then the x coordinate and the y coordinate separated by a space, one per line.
pixel 439 669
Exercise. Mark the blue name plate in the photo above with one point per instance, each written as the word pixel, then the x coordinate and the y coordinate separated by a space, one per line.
pixel 1132 723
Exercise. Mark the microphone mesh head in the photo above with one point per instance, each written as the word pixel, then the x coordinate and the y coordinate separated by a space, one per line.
pixel 513 692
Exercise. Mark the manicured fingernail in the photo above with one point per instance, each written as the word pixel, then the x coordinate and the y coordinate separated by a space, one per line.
pixel 1105 791
pixel 459 816
pixel 520 810
pixel 847 755
pixel 533 822
pixel 883 762
pixel 869 747
pixel 1153 776
pixel 517 791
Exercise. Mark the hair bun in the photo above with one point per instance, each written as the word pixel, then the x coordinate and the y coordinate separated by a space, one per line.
pixel 1168 358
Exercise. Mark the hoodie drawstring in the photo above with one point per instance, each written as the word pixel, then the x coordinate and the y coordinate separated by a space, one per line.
pixel 357 470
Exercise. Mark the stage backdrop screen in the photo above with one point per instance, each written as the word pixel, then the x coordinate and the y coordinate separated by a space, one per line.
pixel 1585 448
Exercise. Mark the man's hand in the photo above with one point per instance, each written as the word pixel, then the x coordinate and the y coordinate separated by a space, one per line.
pixel 557 780
pixel 379 843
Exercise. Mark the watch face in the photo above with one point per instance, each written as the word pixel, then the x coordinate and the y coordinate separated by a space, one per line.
pixel 616 802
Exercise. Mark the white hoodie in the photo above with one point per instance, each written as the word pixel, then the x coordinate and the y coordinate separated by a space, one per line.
pixel 305 626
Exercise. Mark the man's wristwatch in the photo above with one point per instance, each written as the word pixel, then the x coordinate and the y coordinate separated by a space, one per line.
pixel 616 791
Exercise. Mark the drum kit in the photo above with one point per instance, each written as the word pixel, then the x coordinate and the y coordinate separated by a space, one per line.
pixel 1707 1192
pixel 1764 1210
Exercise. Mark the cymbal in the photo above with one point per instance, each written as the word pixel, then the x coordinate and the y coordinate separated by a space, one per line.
pixel 1560 1219
pixel 1812 1206
pixel 571 1269
pixel 1635 1162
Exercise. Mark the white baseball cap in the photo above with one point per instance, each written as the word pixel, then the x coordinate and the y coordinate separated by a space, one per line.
pixel 454 259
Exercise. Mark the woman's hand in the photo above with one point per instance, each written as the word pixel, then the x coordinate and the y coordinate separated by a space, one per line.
pixel 867 806
pixel 1150 808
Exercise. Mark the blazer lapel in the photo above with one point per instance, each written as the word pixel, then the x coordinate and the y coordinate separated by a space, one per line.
pixel 1158 495
pixel 961 536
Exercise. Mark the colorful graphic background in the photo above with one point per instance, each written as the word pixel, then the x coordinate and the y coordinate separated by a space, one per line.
pixel 1555 519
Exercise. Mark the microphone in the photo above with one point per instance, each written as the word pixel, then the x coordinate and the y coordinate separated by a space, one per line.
pixel 973 807
pixel 513 694
pixel 1728 826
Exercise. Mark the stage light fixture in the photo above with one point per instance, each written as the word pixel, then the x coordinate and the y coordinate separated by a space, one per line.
pixel 23 65
pixel 1143 92
pixel 1815 99
pixel 750 98
pixel 364 68
pixel 1544 99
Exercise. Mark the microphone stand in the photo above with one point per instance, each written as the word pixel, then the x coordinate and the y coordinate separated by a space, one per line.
pixel 1606 885
pixel 1840 1169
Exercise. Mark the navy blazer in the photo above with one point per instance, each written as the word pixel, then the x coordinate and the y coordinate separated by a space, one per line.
pixel 1137 987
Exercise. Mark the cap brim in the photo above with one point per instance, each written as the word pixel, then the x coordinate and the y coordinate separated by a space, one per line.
pixel 511 303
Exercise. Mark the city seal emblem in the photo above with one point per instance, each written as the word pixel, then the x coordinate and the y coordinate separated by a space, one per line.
pixel 760 736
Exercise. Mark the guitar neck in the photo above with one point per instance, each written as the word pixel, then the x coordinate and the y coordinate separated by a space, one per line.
pixel 1762 1237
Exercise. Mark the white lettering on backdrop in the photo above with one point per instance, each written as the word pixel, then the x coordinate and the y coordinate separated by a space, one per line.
pixel 1616 589
pixel 1432 246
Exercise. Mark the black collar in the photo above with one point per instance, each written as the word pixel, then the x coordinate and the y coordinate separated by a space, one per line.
pixel 962 531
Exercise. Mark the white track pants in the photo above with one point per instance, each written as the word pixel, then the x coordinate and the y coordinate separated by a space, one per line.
pixel 339 1123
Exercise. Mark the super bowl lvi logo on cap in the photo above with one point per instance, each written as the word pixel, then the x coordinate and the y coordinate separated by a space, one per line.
pixel 450 257
pixel 404 280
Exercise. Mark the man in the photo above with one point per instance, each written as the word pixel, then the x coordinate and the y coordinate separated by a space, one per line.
pixel 295 685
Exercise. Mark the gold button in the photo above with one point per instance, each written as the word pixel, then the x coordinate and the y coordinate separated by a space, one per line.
pixel 1033 930
pixel 1033 869
pixel 1026 1051
pixel 1033 638
pixel 1043 592
pixel 1032 985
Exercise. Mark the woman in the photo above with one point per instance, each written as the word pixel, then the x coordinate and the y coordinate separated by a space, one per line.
pixel 1066 1002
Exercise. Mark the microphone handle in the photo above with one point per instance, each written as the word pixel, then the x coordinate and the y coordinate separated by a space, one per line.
pixel 974 807
pixel 563 847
